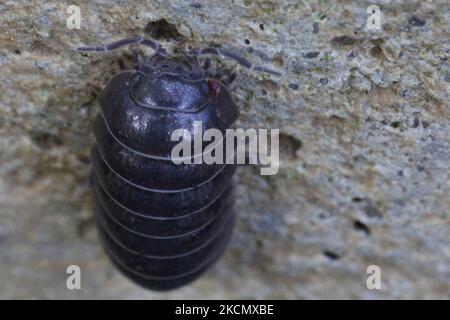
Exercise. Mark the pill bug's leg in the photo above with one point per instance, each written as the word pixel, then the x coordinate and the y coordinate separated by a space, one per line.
pixel 207 64
pixel 193 61
pixel 132 60
pixel 95 90
pixel 228 54
pixel 135 57
pixel 126 41
pixel 121 64
pixel 228 79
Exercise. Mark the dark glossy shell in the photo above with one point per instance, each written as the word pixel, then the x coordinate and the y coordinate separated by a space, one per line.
pixel 162 224
pixel 148 131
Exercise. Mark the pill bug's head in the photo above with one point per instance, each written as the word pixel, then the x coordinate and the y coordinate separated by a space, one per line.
pixel 171 85
pixel 165 82
pixel 176 67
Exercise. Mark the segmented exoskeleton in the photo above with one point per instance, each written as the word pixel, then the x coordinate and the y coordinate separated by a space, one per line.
pixel 162 223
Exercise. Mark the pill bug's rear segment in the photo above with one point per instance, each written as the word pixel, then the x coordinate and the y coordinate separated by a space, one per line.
pixel 162 224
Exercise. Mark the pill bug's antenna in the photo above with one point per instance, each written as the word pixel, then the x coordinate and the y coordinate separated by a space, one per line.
pixel 159 50
pixel 228 54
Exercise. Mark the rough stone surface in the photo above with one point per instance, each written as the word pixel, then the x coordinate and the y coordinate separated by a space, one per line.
pixel 365 123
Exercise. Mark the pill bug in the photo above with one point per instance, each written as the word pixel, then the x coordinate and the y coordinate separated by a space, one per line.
pixel 162 224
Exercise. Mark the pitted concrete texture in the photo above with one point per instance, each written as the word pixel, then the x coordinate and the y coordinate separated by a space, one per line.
pixel 365 124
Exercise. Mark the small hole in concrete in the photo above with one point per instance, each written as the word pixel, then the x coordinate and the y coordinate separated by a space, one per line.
pixel 359 226
pixel 395 124
pixel 289 146
pixel 161 29
pixel 331 255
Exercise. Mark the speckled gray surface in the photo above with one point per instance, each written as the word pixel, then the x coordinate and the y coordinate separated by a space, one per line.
pixel 365 124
